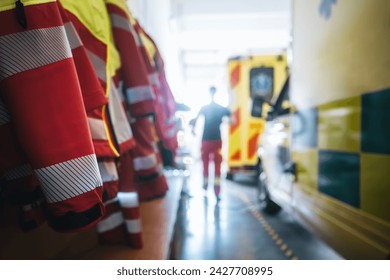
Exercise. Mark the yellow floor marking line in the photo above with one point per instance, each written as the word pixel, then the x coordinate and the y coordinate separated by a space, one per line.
pixel 268 228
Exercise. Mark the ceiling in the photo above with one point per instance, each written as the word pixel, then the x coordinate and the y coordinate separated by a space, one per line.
pixel 196 37
pixel 210 31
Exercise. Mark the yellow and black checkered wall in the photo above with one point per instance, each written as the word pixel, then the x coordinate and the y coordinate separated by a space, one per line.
pixel 343 150
pixel 340 130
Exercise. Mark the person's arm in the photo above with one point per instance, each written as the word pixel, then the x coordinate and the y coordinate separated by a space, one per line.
pixel 231 117
pixel 192 122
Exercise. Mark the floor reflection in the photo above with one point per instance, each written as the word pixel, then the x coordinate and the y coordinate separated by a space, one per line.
pixel 229 229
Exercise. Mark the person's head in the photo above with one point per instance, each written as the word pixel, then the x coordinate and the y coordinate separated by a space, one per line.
pixel 213 91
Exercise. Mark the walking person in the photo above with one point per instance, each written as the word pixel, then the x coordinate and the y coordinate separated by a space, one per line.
pixel 211 140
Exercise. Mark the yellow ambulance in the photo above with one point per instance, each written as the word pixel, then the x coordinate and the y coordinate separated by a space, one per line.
pixel 249 78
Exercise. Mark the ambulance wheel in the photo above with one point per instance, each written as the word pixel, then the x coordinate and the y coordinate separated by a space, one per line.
pixel 271 207
pixel 229 176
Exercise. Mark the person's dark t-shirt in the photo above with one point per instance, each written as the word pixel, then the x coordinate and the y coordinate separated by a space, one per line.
pixel 213 114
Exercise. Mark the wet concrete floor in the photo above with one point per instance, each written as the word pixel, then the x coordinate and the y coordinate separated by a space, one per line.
pixel 237 228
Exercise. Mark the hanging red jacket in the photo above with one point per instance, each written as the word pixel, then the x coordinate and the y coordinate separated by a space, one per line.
pixel 24 189
pixel 168 127
pixel 148 175
pixel 43 118
pixel 151 182
pixel 165 106
pixel 139 93
pixel 111 123
pixel 92 23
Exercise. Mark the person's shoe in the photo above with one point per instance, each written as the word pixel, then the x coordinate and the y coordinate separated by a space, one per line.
pixel 205 182
pixel 217 190
pixel 204 192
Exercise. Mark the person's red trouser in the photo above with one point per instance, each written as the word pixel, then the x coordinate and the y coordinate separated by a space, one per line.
pixel 212 150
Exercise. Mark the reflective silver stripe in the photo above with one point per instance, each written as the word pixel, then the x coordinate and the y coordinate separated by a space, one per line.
pixel 139 94
pixel 69 179
pixel 120 92
pixel 4 114
pixel 111 201
pixel 29 50
pixel 141 163
pixel 155 147
pixel 73 37
pixel 99 65
pixel 98 129
pixel 111 222
pixel 108 171
pixel 153 78
pixel 123 23
pixel 128 199
pixel 137 39
pixel 118 116
pixel 160 169
pixel 133 226
pixel 18 172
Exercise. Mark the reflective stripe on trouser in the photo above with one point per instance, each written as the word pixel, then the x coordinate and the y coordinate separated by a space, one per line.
pixel 128 199
pixel 121 224
pixel 131 213
pixel 144 155
pixel 111 228
pixel 150 181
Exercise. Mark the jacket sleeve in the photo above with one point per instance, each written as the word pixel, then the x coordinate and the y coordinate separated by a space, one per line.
pixel 92 91
pixel 41 91
pixel 139 92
